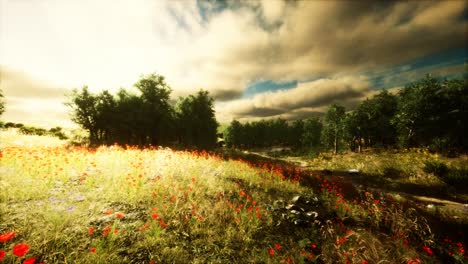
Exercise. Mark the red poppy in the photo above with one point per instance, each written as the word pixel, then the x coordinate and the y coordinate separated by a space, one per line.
pixel 155 216
pixel 278 246
pixel 2 254
pixel 108 212
pixel 313 246
pixel 90 231
pixel 92 250
pixel 428 250
pixel 30 261
pixel 119 215
pixel 106 230
pixel 7 236
pixel 20 249
pixel 272 252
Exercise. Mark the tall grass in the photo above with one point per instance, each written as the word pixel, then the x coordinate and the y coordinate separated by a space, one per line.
pixel 156 205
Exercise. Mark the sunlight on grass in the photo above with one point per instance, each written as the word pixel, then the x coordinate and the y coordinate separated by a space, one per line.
pixel 116 205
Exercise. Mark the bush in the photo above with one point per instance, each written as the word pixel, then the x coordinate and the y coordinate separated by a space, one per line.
pixel 456 177
pixel 393 173
pixel 438 168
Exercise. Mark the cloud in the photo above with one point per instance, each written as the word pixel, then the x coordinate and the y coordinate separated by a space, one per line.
pixel 225 46
pixel 314 39
pixel 308 97
pixel 18 84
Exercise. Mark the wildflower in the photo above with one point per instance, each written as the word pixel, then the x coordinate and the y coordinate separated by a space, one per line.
pixel 92 250
pixel 428 250
pixel 7 236
pixel 277 246
pixel 272 252
pixel 376 201
pixel 313 246
pixel 119 215
pixel 364 262
pixel 106 230
pixel 20 249
pixel 116 232
pixel 70 208
pixel 414 261
pixel 30 261
pixel 161 222
pixel 2 254
pixel 108 212
pixel 90 231
pixel 155 216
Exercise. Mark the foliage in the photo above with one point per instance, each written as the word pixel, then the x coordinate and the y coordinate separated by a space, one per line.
pixel 2 103
pixel 333 129
pixel 197 124
pixel 147 119
pixel 429 113
pixel 431 110
pixel 437 167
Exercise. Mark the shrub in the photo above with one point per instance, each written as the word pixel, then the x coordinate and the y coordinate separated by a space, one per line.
pixel 456 177
pixel 438 168
pixel 393 173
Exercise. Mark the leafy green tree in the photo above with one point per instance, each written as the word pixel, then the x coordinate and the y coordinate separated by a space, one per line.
pixel 233 134
pixel 2 103
pixel 295 133
pixel 430 110
pixel 197 124
pixel 312 131
pixel 84 112
pixel 333 130
pixel 128 127
pixel 106 116
pixel 370 124
pixel 157 116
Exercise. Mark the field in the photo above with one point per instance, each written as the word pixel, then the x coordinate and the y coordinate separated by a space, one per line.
pixel 62 204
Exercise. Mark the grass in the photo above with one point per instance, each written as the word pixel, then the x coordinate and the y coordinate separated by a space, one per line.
pixel 116 205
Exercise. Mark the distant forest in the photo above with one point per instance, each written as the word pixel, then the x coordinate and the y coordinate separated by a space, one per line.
pixel 429 113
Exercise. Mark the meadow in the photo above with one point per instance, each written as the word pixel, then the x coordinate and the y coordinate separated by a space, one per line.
pixel 62 204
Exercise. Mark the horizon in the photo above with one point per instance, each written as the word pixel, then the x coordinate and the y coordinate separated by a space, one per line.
pixel 258 59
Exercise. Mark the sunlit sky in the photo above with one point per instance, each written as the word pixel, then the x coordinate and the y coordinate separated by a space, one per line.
pixel 258 59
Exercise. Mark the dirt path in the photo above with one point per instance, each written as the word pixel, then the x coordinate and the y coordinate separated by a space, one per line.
pixel 454 210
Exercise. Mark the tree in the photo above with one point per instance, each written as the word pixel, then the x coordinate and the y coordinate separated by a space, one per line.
pixel 312 131
pixel 84 111
pixel 2 103
pixel 370 124
pixel 157 115
pixel 334 127
pixel 197 124
pixel 422 110
pixel 295 134
pixel 106 116
pixel 233 134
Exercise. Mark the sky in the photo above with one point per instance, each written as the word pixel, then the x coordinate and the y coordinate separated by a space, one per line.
pixel 258 59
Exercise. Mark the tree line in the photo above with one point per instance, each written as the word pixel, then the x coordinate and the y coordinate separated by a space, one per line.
pixel 428 113
pixel 147 118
